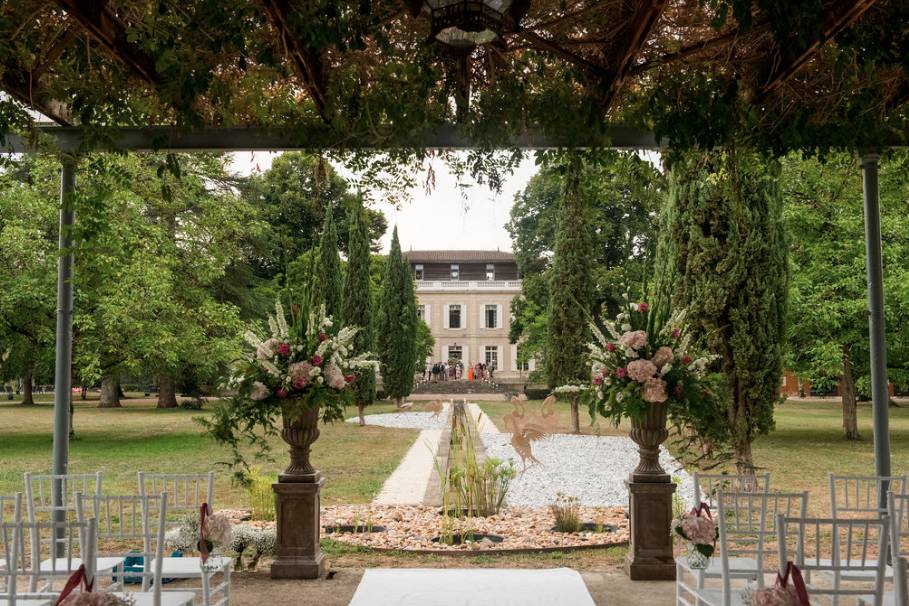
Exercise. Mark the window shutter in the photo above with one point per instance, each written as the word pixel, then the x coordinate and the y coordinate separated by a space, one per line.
pixel 463 315
pixel 499 323
pixel 465 357
pixel 445 318
pixel 482 323
pixel 427 316
pixel 500 358
pixel 513 363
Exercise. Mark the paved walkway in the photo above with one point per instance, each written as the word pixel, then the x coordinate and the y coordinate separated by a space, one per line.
pixel 407 484
pixel 484 423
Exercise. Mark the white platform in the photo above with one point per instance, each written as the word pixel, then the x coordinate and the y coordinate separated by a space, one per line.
pixel 471 587
pixel 407 484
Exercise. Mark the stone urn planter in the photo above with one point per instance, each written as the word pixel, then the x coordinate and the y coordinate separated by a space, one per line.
pixel 300 431
pixel 649 433
pixel 298 554
pixel 650 490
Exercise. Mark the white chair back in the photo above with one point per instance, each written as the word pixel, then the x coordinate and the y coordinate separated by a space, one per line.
pixel 899 523
pixel 185 491
pixel 837 548
pixel 10 507
pixel 706 485
pixel 901 582
pixel 39 491
pixel 859 496
pixel 742 521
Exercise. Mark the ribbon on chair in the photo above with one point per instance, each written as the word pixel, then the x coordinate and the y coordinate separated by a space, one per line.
pixel 702 508
pixel 204 512
pixel 798 583
pixel 77 579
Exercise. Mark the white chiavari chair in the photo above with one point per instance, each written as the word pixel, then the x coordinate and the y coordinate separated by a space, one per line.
pixel 49 552
pixel 153 520
pixel 860 496
pixel 901 582
pixel 186 491
pixel 39 490
pixel 846 555
pixel 10 511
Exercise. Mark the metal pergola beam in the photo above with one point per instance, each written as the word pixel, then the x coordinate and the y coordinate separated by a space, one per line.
pixel 165 138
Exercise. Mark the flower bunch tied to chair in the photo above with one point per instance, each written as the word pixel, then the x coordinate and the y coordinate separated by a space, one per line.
pixel 301 371
pixel 700 532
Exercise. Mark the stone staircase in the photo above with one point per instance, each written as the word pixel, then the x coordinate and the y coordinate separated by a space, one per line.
pixel 464 387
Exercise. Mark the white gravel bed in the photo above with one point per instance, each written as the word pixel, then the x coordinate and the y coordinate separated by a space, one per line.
pixel 592 468
pixel 406 420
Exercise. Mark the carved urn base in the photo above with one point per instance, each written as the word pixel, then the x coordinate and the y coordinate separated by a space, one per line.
pixel 301 429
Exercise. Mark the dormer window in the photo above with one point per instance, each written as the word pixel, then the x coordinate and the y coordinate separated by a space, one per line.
pixel 418 272
pixel 490 272
pixel 455 271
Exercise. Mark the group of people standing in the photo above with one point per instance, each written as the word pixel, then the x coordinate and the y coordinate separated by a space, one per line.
pixel 453 370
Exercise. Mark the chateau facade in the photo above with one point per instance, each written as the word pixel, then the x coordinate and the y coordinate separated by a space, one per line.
pixel 465 298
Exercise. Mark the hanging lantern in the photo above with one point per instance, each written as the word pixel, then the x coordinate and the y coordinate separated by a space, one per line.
pixel 465 24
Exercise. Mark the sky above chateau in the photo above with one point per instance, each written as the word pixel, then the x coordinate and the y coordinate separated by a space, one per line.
pixel 469 216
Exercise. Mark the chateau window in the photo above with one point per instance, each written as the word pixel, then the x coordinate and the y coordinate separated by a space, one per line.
pixel 490 315
pixel 455 271
pixel 455 352
pixel 418 272
pixel 490 272
pixel 421 312
pixel 454 316
pixel 492 356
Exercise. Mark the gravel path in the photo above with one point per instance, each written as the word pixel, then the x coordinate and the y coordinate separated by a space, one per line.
pixel 406 420
pixel 592 468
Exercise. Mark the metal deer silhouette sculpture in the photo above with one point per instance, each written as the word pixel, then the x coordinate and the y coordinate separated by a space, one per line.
pixel 435 407
pixel 526 429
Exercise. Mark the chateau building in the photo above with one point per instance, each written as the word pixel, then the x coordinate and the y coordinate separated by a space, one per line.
pixel 465 298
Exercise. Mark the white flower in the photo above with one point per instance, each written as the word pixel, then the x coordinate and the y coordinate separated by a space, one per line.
pixel 630 353
pixel 270 368
pixel 620 396
pixel 320 380
pixel 665 370
pixel 315 372
pixel 626 327
pixel 259 391
pixel 634 306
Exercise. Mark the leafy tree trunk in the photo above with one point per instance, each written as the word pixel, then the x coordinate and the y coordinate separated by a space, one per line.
pixel 570 289
pixel 850 410
pixel 27 389
pixel 723 257
pixel 167 391
pixel 360 407
pixel 575 417
pixel 110 392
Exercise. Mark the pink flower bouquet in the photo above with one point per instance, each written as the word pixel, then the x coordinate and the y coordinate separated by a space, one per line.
pixel 700 531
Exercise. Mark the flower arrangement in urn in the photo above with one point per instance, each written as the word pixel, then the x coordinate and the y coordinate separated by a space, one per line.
pixel 646 368
pixel 301 371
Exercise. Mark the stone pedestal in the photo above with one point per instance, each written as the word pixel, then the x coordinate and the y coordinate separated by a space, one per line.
pixel 650 544
pixel 297 553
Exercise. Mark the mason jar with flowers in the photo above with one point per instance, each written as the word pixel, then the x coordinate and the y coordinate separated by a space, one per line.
pixel 302 371
pixel 646 368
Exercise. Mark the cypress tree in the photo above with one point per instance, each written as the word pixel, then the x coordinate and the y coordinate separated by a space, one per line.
pixel 397 325
pixel 570 291
pixel 357 308
pixel 329 275
pixel 723 257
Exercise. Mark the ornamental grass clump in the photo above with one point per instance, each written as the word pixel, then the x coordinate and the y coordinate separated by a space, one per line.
pixel 261 495
pixel 567 513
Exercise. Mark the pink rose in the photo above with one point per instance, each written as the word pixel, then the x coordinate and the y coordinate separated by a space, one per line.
pixel 322 336
pixel 317 360
pixel 643 307
pixel 662 357
pixel 282 393
pixel 699 529
pixel 654 391
pixel 620 372
pixel 610 347
pixel 598 380
pixel 350 378
pixel 641 370
pixel 299 383
pixel 283 349
pixel 676 333
pixel 634 339
pixel 686 360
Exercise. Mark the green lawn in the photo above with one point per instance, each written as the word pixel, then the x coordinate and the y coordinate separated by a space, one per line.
pixel 805 447
pixel 355 460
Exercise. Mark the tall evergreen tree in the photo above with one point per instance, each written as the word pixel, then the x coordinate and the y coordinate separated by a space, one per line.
pixel 329 274
pixel 397 325
pixel 357 308
pixel 722 256
pixel 570 291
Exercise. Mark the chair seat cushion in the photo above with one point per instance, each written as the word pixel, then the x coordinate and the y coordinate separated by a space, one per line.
pixel 189 568
pixel 168 598
pixel 738 567
pixel 102 565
